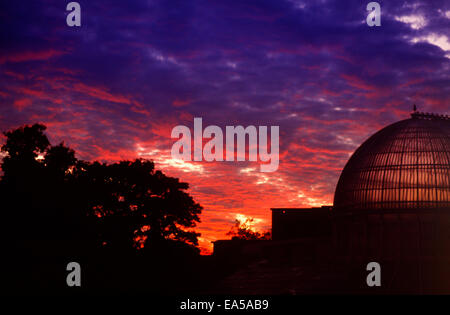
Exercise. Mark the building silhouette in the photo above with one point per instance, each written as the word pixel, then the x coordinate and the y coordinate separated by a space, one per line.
pixel 391 206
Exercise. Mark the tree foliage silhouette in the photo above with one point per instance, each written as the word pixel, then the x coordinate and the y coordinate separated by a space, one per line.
pixel 54 204
pixel 242 230
pixel 131 199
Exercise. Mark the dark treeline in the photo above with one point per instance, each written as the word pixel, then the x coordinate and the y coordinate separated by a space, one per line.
pixel 242 230
pixel 127 224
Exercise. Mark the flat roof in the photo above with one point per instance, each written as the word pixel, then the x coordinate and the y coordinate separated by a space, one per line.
pixel 302 209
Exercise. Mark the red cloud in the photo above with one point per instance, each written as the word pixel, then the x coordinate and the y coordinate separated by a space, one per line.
pixel 179 103
pixel 100 93
pixel 22 103
pixel 30 56
pixel 356 82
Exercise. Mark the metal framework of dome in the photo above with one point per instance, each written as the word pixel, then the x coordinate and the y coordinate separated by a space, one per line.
pixel 405 165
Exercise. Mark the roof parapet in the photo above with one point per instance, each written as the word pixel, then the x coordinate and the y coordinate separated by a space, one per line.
pixel 429 116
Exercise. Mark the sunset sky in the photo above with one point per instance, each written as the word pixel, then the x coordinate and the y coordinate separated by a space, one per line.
pixel 115 87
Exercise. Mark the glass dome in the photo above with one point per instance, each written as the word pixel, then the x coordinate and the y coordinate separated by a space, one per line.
pixel 405 165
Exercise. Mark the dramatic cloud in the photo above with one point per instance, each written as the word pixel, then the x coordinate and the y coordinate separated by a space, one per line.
pixel 116 86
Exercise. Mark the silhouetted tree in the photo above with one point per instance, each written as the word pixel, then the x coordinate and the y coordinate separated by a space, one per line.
pixel 24 144
pixel 21 167
pixel 59 160
pixel 56 208
pixel 242 230
pixel 132 200
pixel 23 174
